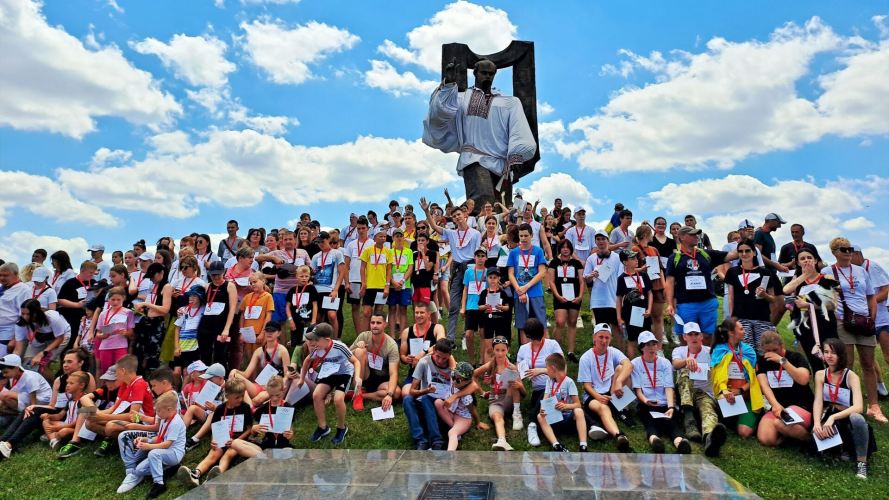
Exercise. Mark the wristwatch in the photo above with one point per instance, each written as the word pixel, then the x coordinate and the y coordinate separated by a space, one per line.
pixel 391 395
pixel 782 361
pixel 46 353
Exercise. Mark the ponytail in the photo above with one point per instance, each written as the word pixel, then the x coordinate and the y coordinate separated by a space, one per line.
pixel 723 331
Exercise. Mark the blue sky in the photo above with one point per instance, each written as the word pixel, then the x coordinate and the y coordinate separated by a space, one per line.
pixel 130 120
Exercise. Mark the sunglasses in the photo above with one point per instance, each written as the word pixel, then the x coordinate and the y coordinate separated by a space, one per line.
pixel 501 341
pixel 421 227
pixel 845 249
pixel 745 251
pixel 458 380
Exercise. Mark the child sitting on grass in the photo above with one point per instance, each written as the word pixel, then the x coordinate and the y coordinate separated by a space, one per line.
pixel 562 387
pixel 249 449
pixel 150 455
pixel 459 412
pixel 60 426
pixel 239 428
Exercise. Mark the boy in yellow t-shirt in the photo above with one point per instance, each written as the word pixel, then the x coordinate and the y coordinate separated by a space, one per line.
pixel 376 274
pixel 256 310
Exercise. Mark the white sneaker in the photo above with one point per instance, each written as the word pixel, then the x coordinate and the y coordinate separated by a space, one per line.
pixel 597 433
pixel 501 445
pixel 579 322
pixel 533 438
pixel 129 482
pixel 881 389
pixel 5 449
pixel 464 343
pixel 517 423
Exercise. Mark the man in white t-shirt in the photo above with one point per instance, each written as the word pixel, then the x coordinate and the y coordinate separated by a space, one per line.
pixel 352 256
pixel 96 252
pixel 349 233
pixel 13 293
pixel 582 236
pixel 604 371
pixel 20 388
pixel 601 271
pixel 330 272
pixel 695 385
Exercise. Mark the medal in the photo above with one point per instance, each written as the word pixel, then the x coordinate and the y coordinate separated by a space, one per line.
pixel 565 280
pixel 852 291
pixel 311 371
pixel 490 315
pixel 746 292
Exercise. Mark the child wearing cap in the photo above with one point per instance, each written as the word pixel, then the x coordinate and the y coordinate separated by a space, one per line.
pixel 634 292
pixel 191 389
pixel 459 412
pixel 561 387
pixel 272 354
pixel 604 371
pixel 473 284
pixel 335 367
pixel 500 398
pixel 496 316
pixel 653 383
pixel 256 310
pixel 186 333
pixel 696 395
pixel 164 447
pixel 237 413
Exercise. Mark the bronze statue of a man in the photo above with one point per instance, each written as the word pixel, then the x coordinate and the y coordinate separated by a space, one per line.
pixel 489 130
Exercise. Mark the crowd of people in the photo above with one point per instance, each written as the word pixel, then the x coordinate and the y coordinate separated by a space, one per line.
pixel 228 341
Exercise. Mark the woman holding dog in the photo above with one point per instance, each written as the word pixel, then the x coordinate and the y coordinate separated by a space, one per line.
pixel 814 294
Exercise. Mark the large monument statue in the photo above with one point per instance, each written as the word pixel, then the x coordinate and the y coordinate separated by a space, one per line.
pixel 495 134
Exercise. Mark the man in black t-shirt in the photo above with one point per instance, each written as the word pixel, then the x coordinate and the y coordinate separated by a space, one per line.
pixel 787 255
pixel 74 295
pixel 784 378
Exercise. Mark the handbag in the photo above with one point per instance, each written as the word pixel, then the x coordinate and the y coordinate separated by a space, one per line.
pixel 853 322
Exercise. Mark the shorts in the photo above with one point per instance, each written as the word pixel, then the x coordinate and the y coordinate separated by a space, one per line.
pixel 658 297
pixel 605 315
pixel 534 308
pixel 852 339
pixel 702 313
pixel 400 297
pixel 565 306
pixel 35 349
pixel 355 286
pixel 185 359
pixel 495 327
pixel 422 295
pixel 336 382
pixel 475 320
pixel 370 296
pixel 373 382
pixel 806 415
pixel 634 331
pixel 749 419
pixel 501 403
pixel 280 312
pixel 445 275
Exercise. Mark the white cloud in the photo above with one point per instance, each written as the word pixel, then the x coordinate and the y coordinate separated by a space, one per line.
pixel 113 5
pixel 176 142
pixel 42 196
pixel 880 23
pixel 199 60
pixel 544 108
pixel 879 255
pixel 271 125
pixel 210 97
pixel 285 54
pixel 558 185
pixel 250 165
pixel 856 224
pixel 104 155
pixel 722 202
pixel 484 29
pixel 20 245
pixel 384 76
pixel 52 82
pixel 734 100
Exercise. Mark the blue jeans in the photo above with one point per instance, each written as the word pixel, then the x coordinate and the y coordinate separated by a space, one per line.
pixel 427 406
pixel 147 463
pixel 702 313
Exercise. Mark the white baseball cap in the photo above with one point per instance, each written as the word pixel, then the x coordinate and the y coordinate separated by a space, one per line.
pixel 11 361
pixel 646 337
pixel 215 370
pixel 147 256
pixel 97 247
pixel 40 274
pixel 601 327
pixel 691 326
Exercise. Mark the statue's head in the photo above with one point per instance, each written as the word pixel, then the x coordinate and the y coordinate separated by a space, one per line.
pixel 484 72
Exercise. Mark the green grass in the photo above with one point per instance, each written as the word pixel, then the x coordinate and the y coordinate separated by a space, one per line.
pixel 783 473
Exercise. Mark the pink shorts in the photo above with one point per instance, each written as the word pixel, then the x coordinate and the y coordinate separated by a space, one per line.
pixel 108 357
pixel 804 414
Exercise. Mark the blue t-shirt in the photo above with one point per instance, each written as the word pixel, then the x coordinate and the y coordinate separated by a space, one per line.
pixel 524 274
pixel 471 278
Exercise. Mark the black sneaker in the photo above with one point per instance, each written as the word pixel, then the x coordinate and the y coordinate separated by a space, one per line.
pixel 340 435
pixel 657 446
pixel 438 446
pixel 157 489
pixel 862 470
pixel 189 477
pixel 104 449
pixel 684 447
pixel 583 448
pixel 714 441
pixel 192 443
pixel 627 419
pixel 69 450
pixel 572 357
pixel 421 446
pixel 623 443
pixel 319 433
pixel 559 448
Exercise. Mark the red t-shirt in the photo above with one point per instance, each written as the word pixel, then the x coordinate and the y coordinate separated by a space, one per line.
pixel 137 392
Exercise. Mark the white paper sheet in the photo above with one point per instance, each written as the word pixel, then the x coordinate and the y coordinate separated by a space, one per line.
pixel 442 391
pixel 380 299
pixel 621 403
pixel 248 334
pixel 330 304
pixel 654 268
pixel 509 375
pixel 794 417
pixel 220 432
pixel 605 272
pixel 208 393
pixel 567 291
pixel 379 414
pixel 830 442
pixel 266 374
pixel 86 433
pixel 297 394
pixel 657 414
pixel 636 316
pixel 701 374
pixel 548 406
pixel 730 410
pixel 493 299
pixel 417 346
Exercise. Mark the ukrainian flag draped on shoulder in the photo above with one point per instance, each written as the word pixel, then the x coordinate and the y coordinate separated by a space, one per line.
pixel 720 358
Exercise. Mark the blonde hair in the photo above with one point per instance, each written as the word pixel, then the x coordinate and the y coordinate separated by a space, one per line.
pixel 771 337
pixel 89 265
pixel 186 252
pixel 118 290
pixel 166 400
pixel 303 269
pixel 642 232
pixel 838 242
pixel 276 382
pixel 27 271
pixel 235 386
pixel 191 260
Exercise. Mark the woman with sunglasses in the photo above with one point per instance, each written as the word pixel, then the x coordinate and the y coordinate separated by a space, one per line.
pixel 856 297
pixel 810 288
pixel 752 290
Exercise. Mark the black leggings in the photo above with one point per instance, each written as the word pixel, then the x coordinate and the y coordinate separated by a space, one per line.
pixel 149 339
pixel 22 427
pixel 661 427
